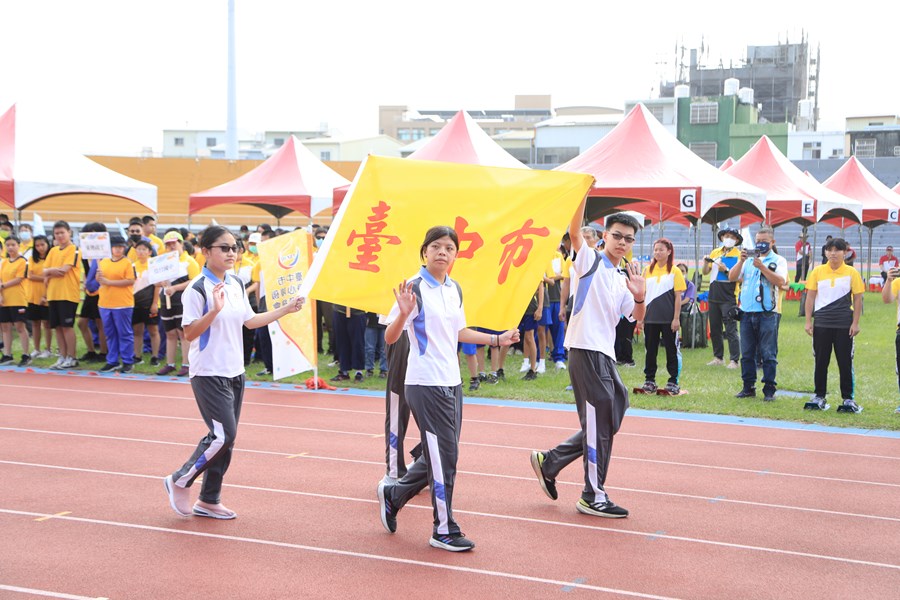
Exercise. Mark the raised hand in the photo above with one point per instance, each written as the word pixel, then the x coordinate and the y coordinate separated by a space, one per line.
pixel 406 299
pixel 218 295
pixel 636 284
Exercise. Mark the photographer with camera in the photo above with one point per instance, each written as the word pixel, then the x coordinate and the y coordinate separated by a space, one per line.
pixel 834 297
pixel 761 272
pixel 889 293
pixel 722 301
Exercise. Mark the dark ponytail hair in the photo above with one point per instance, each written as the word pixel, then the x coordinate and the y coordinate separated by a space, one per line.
pixel 34 253
pixel 436 233
pixel 211 234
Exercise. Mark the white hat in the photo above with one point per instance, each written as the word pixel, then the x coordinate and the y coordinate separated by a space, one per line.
pixel 255 238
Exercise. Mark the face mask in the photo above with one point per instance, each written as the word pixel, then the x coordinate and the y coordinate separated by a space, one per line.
pixel 135 237
pixel 25 235
pixel 729 242
pixel 319 242
pixel 253 250
pixel 763 248
pixel 4 234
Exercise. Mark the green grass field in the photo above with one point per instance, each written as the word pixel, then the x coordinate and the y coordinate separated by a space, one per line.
pixel 712 389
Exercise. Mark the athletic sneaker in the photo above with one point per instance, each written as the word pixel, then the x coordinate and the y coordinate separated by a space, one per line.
pixel 184 370
pixel 746 393
pixel 673 389
pixel 530 376
pixel 26 360
pixel 474 384
pixel 154 362
pixel 388 514
pixel 526 366
pixel 733 365
pixel 138 360
pixel 126 368
pixel 492 379
pixel 547 484
pixel 649 387
pixel 6 359
pixel 561 365
pixel 69 363
pixel 264 373
pixel 817 403
pixel 359 376
pixel 601 509
pixel 341 376
pixel 43 354
pixel 851 406
pixel 58 365
pixel 542 366
pixel 454 542
pixel 501 375
pixel 716 362
pixel 110 368
pixel 90 357
pixel 166 370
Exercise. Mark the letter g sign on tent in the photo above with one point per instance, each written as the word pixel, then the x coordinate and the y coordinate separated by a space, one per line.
pixel 688 200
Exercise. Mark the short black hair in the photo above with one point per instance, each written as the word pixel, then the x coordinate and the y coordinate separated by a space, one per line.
pixel 62 225
pixel 6 224
pixel 26 226
pixel 837 244
pixel 148 219
pixel 93 227
pixel 12 238
pixel 135 221
pixel 436 233
pixel 146 244
pixel 623 219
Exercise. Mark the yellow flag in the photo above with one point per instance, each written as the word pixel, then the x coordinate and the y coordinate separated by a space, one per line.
pixel 509 222
pixel 284 263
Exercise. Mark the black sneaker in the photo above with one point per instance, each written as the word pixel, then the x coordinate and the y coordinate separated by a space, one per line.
pixel 482 377
pixel 341 376
pixel 649 387
pixel 89 357
pixel 474 384
pixel 388 514
pixel 359 376
pixel 138 360
pixel 492 379
pixel 601 509
pixel 264 373
pixel 26 360
pixel 154 362
pixel 126 369
pixel 109 368
pixel 548 485
pixel 530 375
pixel 501 375
pixel 6 359
pixel 745 393
pixel 768 395
pixel 454 542
pixel 850 406
pixel 817 403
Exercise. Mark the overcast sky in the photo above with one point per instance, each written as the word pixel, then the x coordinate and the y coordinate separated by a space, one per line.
pixel 110 75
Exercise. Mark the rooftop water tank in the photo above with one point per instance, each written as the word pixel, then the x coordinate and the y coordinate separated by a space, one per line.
pixel 745 95
pixel 731 86
pixel 804 109
pixel 682 91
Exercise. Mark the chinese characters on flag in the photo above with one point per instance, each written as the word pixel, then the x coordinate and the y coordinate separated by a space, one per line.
pixel 509 223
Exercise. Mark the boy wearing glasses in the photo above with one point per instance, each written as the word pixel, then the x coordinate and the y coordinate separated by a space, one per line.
pixel 170 310
pixel 602 293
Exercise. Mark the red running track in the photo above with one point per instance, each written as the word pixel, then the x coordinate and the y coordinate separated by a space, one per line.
pixel 717 511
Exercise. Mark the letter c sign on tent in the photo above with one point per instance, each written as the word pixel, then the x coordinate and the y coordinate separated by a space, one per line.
pixel 892 215
pixel 807 208
pixel 688 201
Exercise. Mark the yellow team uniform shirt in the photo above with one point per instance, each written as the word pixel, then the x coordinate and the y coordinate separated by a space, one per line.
pixel 895 289
pixel 13 295
pixel 67 287
pixel 156 243
pixel 140 266
pixel 36 289
pixel 200 258
pixel 835 289
pixel 114 296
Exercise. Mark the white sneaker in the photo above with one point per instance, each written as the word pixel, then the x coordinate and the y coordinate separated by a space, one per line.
pixel 734 365
pixel 58 364
pixel 715 362
pixel 69 363
pixel 526 366
pixel 541 366
pixel 561 365
pixel 43 354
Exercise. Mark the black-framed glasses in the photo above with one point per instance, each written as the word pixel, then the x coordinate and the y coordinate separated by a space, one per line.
pixel 226 249
pixel 619 237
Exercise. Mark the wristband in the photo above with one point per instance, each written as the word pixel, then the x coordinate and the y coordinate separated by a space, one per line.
pixel 638 301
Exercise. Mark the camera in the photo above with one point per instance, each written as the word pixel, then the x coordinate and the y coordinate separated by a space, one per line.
pixel 895 272
pixel 708 259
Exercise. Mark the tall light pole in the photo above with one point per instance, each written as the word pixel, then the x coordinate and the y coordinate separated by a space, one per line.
pixel 231 140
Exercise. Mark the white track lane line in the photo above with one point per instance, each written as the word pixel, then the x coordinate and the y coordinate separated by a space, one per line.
pixel 644 534
pixel 508 423
pixel 623 458
pixel 45 593
pixel 347 553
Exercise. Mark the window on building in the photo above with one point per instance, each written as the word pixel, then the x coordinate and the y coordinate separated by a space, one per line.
pixel 179 141
pixel 418 133
pixel 279 142
pixel 705 150
pixel 837 153
pixel 896 150
pixel 210 142
pixel 404 135
pixel 325 155
pixel 704 112
pixel 877 124
pixel 864 148
pixel 812 150
pixel 659 112
pixel 556 156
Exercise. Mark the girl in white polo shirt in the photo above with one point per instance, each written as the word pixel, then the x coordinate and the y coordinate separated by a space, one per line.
pixel 215 308
pixel 429 307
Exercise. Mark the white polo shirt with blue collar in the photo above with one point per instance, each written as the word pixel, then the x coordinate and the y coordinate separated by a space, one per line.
pixel 433 327
pixel 218 351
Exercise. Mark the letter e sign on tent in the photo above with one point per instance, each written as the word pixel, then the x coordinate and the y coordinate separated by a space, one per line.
pixel 688 200
pixel 807 208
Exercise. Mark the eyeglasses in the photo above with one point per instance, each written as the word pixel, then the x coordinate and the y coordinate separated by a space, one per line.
pixel 619 237
pixel 226 249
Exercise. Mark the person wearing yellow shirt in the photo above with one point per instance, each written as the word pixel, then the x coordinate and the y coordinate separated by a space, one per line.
pixel 135 235
pixel 62 275
pixel 722 297
pixel 148 225
pixel 116 276
pixel 6 230
pixel 834 294
pixel 890 292
pixel 663 316
pixel 146 305
pixel 170 310
pixel 26 241
pixel 37 311
pixel 13 300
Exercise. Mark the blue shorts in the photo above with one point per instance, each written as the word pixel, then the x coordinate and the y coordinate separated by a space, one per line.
pixel 546 317
pixel 528 323
pixel 468 349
